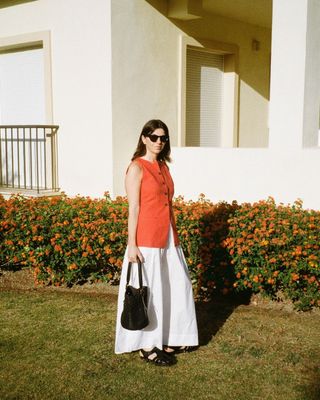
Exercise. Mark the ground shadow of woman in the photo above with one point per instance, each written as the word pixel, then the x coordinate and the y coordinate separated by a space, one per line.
pixel 212 315
pixel 311 388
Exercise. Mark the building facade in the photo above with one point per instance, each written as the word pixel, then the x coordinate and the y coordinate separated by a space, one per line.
pixel 237 82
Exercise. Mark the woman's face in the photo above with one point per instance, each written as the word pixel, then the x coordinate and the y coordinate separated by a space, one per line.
pixel 154 147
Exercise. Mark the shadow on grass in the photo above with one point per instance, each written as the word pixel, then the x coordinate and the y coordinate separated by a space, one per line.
pixel 311 390
pixel 212 315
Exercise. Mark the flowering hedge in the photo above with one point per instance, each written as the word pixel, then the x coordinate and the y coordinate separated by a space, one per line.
pixel 70 240
pixel 276 249
pixel 261 247
pixel 64 240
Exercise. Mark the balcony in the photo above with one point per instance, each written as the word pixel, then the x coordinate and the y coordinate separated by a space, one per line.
pixel 29 159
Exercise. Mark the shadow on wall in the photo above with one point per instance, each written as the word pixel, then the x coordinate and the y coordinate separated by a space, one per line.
pixel 254 63
pixel 9 3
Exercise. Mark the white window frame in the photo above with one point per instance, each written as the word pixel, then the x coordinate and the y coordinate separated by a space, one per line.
pixel 29 41
pixel 230 106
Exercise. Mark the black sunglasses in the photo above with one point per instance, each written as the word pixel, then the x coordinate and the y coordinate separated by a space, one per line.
pixel 154 138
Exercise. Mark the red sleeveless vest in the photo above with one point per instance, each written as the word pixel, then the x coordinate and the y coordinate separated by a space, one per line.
pixel 155 211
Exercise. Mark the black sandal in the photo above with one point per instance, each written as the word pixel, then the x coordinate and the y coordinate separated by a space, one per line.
pixel 179 349
pixel 161 358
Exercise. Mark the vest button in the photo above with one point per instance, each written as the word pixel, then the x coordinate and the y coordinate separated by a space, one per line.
pixel 165 193
pixel 166 204
pixel 159 173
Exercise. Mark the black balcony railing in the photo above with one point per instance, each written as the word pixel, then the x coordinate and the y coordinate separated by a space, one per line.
pixel 29 157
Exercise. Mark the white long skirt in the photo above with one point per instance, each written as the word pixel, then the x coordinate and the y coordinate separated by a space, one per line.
pixel 171 308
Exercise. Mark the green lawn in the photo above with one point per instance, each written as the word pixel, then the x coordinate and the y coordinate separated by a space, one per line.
pixel 57 344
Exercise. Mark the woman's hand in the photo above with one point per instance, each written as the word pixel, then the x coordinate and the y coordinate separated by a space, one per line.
pixel 134 254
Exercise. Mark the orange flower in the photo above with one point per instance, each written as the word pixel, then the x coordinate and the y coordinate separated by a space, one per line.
pixel 312 279
pixel 294 276
pixel 107 250
pixel 89 249
pixel 244 271
pixel 112 236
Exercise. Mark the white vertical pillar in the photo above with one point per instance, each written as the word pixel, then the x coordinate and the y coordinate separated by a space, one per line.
pixel 288 71
pixel 312 80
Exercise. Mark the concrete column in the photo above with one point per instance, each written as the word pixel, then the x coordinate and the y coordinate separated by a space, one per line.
pixel 295 77
pixel 311 122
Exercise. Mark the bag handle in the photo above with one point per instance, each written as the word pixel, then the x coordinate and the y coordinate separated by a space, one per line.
pixel 139 273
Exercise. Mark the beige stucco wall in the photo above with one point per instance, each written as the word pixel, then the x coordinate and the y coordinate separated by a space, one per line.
pixel 80 40
pixel 144 77
pixel 248 174
pixel 146 73
pixel 93 155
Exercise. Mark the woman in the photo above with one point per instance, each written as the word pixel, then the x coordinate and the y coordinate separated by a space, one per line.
pixel 153 239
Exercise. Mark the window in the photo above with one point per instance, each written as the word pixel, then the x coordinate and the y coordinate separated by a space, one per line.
pixel 208 93
pixel 22 92
pixel 28 140
pixel 204 98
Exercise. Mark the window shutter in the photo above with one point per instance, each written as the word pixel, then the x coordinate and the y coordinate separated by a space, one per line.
pixel 204 82
pixel 22 92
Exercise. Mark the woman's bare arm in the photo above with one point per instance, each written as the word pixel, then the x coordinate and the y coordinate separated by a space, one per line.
pixel 132 184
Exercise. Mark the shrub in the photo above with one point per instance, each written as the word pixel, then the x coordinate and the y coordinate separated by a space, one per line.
pixel 69 240
pixel 276 249
pixel 203 227
pixel 64 240
pixel 261 247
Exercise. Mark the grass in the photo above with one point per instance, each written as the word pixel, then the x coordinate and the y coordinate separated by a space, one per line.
pixel 58 344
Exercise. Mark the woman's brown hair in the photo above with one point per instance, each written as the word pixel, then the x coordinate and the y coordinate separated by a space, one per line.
pixel 149 128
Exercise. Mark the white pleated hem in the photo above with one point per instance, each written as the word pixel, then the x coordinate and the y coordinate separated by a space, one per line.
pixel 175 340
pixel 171 307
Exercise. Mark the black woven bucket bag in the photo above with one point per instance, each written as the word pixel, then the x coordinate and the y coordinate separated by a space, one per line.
pixel 134 315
